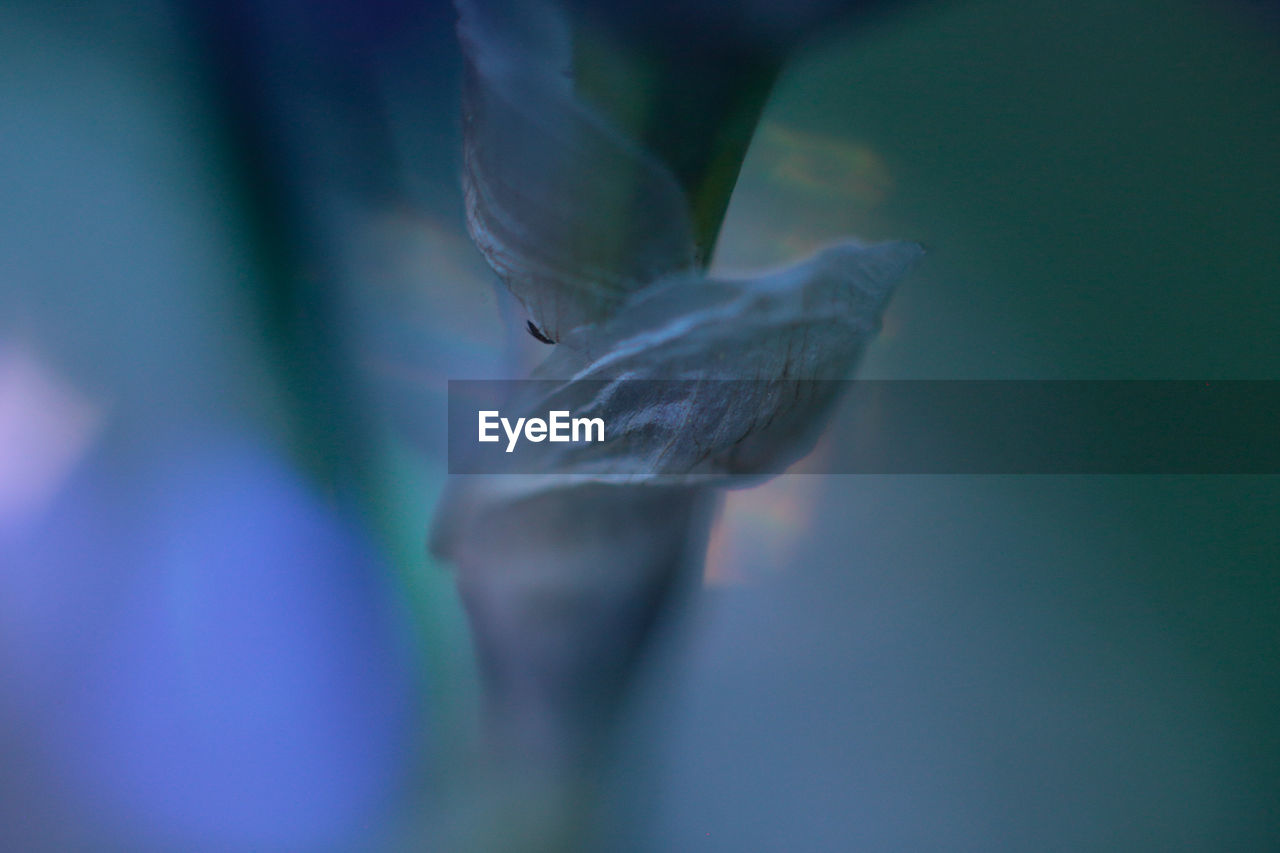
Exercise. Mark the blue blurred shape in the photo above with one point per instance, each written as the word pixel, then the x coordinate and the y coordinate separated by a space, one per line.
pixel 241 679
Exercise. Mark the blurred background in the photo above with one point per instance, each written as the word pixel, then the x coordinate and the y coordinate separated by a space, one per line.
pixel 234 279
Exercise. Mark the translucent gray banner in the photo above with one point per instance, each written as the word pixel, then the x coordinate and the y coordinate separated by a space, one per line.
pixel 691 428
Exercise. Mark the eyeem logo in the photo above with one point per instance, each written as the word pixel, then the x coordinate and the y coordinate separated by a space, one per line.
pixel 558 427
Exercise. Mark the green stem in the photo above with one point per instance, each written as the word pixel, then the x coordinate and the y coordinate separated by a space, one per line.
pixel 695 113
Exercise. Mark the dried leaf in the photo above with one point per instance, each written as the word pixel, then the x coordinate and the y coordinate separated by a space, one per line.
pixel 571 214
pixel 743 353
